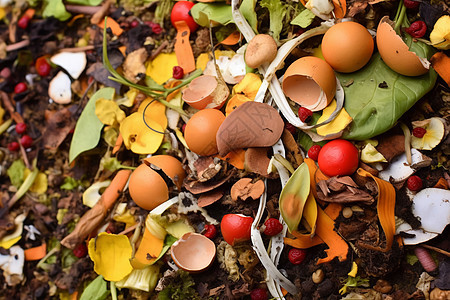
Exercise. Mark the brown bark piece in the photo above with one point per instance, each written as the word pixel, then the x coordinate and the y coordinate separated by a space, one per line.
pixel 293 153
pixel 342 190
pixel 391 146
pixel 244 189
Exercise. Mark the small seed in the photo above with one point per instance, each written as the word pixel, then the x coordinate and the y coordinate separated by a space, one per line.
pixel 318 276
pixel 356 208
pixel 347 212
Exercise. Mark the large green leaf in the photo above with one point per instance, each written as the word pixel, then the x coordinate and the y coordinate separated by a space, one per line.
pixel 217 12
pixel 376 96
pixel 89 128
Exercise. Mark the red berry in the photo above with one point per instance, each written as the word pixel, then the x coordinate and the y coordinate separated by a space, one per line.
pixel 183 128
pixel 26 141
pixel 419 132
pixel 411 4
pixel 23 22
pixel 414 183
pixel 134 23
pixel 292 129
pixel 259 294
pixel 313 152
pixel 417 29
pixel 21 128
pixel 13 146
pixel 156 28
pixel 273 227
pixel 177 72
pixel 42 66
pixel 80 251
pixel 211 231
pixel 20 88
pixel 304 114
pixel 296 256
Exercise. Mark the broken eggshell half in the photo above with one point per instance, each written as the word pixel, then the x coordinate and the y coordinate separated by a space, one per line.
pixel 193 252
pixel 60 88
pixel 396 54
pixel 206 92
pixel 310 82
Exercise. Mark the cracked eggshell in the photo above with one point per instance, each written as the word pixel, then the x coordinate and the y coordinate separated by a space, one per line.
pixel 399 170
pixel 432 207
pixel 73 62
pixel 59 88
pixel 205 92
pixel 310 82
pixel 171 166
pixel 193 252
pixel 395 53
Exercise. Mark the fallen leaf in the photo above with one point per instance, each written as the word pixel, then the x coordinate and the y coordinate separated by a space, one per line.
pixel 160 68
pixel 108 112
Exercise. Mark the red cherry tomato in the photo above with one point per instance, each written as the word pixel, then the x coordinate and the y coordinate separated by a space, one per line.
pixel 338 157
pixel 23 22
pixel 235 228
pixel 42 66
pixel 20 87
pixel 180 12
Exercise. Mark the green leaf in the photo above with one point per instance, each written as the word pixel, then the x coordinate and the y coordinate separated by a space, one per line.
pixel 247 9
pixel 303 19
pixel 15 172
pixel 89 128
pixel 217 12
pixel 277 11
pixel 85 2
pixel 56 9
pixel 293 197
pixel 374 108
pixel 96 290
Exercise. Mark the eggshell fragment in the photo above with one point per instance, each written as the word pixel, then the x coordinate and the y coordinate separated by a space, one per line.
pixel 59 88
pixel 395 53
pixel 73 62
pixel 252 124
pixel 193 252
pixel 171 166
pixel 206 92
pixel 310 82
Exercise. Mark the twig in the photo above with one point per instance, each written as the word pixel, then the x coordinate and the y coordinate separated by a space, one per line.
pixel 101 13
pixel 82 9
pixel 129 229
pixel 9 106
pixel 438 250
pixel 17 46
pixel 159 49
pixel 24 155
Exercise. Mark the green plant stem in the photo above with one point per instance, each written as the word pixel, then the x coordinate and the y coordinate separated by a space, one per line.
pixel 400 16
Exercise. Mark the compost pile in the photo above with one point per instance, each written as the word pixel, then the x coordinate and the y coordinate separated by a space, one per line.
pixel 267 149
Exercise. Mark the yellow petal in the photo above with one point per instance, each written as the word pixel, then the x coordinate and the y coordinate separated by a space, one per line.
pixel 440 36
pixel 9 240
pixel 338 124
pixel 204 58
pixel 110 135
pixel 234 102
pixel 108 112
pixel 248 86
pixel 354 270
pixel 138 137
pixel 2 113
pixel 40 184
pixel 371 155
pixel 129 98
pixel 155 111
pixel 160 69
pixel 111 255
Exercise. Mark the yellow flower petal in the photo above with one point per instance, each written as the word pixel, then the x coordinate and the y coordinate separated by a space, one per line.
pixel 111 255
pixel 248 86
pixel 160 68
pixel 338 124
pixel 354 270
pixel 108 112
pixel 234 102
pixel 155 111
pixel 204 58
pixel 138 137
pixel 40 184
pixel 440 36
pixel 371 155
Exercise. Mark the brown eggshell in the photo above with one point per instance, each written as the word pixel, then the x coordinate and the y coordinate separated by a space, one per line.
pixel 147 188
pixel 193 252
pixel 395 53
pixel 310 82
pixel 251 124
pixel 171 166
pixel 205 91
pixel 201 129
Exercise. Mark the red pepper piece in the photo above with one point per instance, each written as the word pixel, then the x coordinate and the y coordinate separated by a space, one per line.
pixel 417 29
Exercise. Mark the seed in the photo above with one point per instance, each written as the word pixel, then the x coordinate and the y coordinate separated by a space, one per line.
pixel 318 276
pixel 347 212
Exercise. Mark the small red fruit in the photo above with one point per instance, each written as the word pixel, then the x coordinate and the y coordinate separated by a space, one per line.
pixel 414 183
pixel 411 4
pixel 259 294
pixel 236 228
pixel 80 251
pixel 419 132
pixel 177 72
pixel 20 88
pixel 304 114
pixel 273 227
pixel 180 12
pixel 13 146
pixel 296 256
pixel 417 29
pixel 210 231
pixel 42 66
pixel 21 128
pixel 134 23
pixel 314 151
pixel 338 157
pixel 26 141
pixel 23 22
